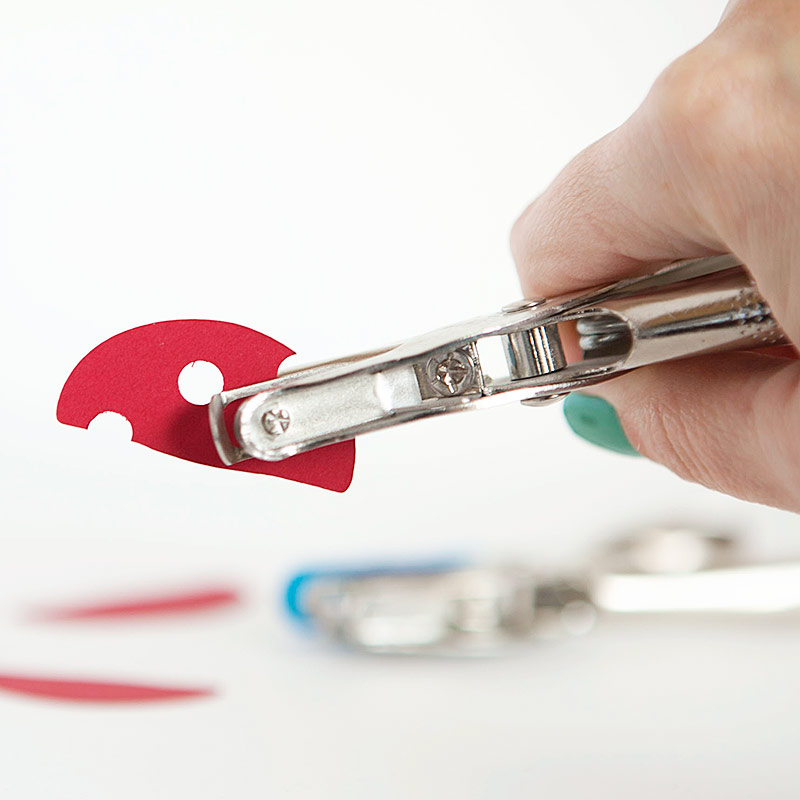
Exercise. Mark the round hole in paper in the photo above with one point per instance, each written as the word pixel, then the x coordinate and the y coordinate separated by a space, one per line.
pixel 199 381
pixel 112 427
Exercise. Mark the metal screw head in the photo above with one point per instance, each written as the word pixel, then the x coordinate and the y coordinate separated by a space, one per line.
pixel 275 421
pixel 452 374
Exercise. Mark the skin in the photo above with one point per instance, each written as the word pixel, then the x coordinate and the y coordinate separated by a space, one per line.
pixel 709 163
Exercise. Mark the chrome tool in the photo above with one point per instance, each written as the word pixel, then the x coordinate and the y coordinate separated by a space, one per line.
pixel 689 308
pixel 485 609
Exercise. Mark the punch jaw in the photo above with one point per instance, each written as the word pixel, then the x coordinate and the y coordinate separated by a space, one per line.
pixel 281 422
pixel 691 308
pixel 321 406
pixel 324 412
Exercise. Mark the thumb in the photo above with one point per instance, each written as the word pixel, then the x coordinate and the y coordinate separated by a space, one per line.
pixel 725 422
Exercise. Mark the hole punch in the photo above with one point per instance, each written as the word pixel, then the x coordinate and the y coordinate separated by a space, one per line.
pixel 199 381
pixel 690 308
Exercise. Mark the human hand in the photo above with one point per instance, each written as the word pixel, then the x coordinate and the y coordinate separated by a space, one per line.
pixel 709 163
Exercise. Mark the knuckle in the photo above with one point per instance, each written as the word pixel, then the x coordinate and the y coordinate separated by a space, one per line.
pixel 697 103
pixel 726 118
pixel 722 99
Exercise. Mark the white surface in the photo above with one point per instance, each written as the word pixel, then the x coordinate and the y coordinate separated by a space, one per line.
pixel 338 176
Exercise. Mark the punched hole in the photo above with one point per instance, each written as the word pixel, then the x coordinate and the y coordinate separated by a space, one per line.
pixel 199 381
pixel 112 427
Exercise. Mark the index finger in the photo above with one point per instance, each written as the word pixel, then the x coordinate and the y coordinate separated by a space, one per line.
pixel 615 210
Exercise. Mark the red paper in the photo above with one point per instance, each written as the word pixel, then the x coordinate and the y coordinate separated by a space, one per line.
pixel 135 374
pixel 95 691
pixel 194 602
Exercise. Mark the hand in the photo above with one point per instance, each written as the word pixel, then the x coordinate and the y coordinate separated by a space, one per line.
pixel 709 163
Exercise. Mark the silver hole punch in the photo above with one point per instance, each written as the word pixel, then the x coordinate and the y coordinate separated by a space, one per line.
pixel 490 610
pixel 689 308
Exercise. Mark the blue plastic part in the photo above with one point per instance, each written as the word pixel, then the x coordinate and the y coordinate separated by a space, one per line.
pixel 298 585
pixel 294 592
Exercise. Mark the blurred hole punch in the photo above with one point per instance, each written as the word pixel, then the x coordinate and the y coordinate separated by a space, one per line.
pixel 458 610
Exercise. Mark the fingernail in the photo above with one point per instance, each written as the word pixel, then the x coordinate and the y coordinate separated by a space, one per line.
pixel 595 420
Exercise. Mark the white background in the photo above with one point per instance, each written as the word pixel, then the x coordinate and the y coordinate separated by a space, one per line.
pixel 338 176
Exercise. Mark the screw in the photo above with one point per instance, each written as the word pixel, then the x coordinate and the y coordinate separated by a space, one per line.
pixel 452 375
pixel 275 421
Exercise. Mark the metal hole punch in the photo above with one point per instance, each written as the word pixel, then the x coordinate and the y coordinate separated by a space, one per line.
pixel 689 308
pixel 480 610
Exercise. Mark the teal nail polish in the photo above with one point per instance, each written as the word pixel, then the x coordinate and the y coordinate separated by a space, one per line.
pixel 595 420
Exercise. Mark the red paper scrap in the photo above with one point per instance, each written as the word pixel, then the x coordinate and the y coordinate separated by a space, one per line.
pixel 135 374
pixel 157 605
pixel 95 691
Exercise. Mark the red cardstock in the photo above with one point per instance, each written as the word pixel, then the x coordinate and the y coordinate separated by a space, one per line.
pixel 95 691
pixel 198 601
pixel 135 374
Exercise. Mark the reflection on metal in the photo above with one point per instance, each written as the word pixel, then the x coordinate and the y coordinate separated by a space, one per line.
pixel 482 610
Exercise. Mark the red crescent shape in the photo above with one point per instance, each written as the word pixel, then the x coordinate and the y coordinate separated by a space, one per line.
pixel 135 374
pixel 193 602
pixel 95 691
